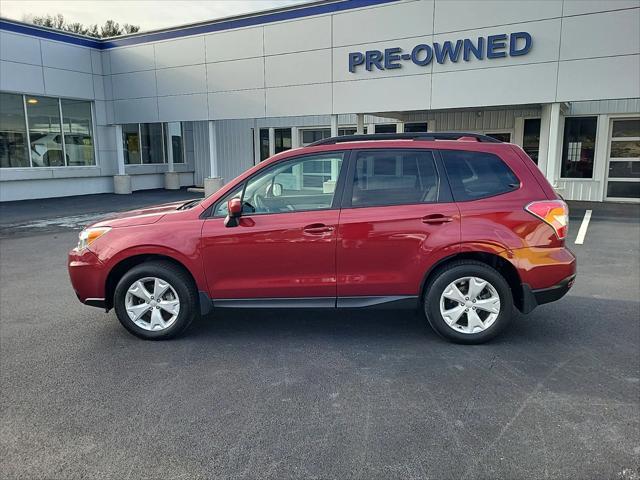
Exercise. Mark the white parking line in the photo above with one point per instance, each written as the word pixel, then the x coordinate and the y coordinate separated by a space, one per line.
pixel 582 232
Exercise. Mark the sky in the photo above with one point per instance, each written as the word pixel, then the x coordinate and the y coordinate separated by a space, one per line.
pixel 148 14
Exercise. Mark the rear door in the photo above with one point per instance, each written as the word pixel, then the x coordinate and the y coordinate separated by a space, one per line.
pixel 397 220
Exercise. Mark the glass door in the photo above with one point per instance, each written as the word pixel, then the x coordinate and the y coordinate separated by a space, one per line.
pixel 623 177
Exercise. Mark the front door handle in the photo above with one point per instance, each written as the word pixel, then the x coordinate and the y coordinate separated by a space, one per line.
pixel 317 229
pixel 436 219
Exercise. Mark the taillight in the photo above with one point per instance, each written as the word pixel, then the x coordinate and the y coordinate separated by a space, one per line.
pixel 553 212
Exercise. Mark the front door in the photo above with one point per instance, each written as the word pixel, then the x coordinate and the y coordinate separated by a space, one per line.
pixel 284 246
pixel 397 220
pixel 623 176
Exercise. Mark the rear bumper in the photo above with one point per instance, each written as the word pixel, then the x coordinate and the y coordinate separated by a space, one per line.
pixel 532 298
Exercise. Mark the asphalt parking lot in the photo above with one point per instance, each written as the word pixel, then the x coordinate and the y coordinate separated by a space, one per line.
pixel 299 394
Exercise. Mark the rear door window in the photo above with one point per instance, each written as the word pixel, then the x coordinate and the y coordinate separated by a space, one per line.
pixel 394 177
pixel 475 175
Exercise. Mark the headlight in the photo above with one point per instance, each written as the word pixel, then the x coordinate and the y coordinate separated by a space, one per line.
pixel 90 235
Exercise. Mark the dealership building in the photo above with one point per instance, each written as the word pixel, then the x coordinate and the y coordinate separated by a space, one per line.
pixel 201 103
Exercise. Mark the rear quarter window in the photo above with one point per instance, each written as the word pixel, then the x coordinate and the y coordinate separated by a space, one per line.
pixel 475 175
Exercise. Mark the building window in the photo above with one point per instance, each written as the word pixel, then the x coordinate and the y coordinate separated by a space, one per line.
pixel 131 143
pixel 623 180
pixel 53 133
pixel 578 147
pixel 314 135
pixel 415 127
pixel 146 143
pixel 151 143
pixel 175 136
pixel 13 132
pixel 264 144
pixel 531 138
pixel 347 131
pixel 386 128
pixel 45 132
pixel 77 128
pixel 282 137
pixel 502 136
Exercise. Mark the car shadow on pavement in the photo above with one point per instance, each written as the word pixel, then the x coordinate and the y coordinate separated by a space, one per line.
pixel 364 325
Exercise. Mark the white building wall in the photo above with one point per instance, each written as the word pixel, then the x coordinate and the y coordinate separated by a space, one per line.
pixel 583 51
pixel 299 67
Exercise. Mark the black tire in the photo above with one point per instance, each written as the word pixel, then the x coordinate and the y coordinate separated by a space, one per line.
pixel 181 283
pixel 452 272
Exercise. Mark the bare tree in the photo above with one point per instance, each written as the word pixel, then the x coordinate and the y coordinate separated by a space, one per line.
pixel 110 28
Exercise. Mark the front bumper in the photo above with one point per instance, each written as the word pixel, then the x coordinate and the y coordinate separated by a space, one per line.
pixel 87 274
pixel 532 298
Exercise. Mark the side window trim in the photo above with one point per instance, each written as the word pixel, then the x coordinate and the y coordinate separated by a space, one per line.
pixel 335 204
pixel 443 189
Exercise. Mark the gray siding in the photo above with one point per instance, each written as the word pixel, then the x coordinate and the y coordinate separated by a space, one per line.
pixel 625 105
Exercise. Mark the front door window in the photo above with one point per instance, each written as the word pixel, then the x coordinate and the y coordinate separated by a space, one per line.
pixel 302 184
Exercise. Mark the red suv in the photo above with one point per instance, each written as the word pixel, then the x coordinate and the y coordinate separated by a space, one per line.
pixel 457 224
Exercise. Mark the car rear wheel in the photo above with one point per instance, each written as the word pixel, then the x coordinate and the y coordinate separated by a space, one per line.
pixel 468 302
pixel 155 300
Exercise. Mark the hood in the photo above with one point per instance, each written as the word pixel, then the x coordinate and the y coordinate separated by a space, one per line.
pixel 140 216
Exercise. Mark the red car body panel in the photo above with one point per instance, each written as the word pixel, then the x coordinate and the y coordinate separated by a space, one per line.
pixel 349 252
pixel 279 257
pixel 387 250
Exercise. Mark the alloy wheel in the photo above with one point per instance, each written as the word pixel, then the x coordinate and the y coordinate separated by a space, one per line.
pixel 470 305
pixel 152 304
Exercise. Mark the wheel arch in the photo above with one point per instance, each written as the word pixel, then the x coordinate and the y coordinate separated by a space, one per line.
pixel 492 259
pixel 127 263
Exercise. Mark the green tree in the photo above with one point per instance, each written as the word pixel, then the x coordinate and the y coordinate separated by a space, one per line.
pixel 110 28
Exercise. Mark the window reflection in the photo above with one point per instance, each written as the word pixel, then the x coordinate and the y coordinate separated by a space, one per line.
pixel 579 147
pixel 176 139
pixel 531 138
pixel 43 115
pixel 77 127
pixel 151 143
pixel 13 132
pixel 131 143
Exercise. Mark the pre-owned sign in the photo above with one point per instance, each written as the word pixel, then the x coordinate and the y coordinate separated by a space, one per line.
pixel 493 46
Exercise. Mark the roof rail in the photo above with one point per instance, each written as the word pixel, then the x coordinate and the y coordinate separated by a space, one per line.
pixel 420 136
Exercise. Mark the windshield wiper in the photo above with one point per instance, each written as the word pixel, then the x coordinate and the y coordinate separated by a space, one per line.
pixel 189 204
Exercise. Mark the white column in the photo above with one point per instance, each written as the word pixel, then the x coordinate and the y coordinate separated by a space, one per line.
pixel 550 154
pixel 543 147
pixel 169 149
pixel 272 141
pixel 555 144
pixel 601 155
pixel 371 128
pixel 295 137
pixel 213 183
pixel 360 123
pixel 213 150
pixel 400 127
pixel 334 125
pixel 120 150
pixel 121 181
pixel 171 177
pixel 518 131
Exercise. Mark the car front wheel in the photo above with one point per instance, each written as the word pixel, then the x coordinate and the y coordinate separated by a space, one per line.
pixel 155 300
pixel 468 302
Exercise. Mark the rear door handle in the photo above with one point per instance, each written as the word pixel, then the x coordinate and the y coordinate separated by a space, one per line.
pixel 436 219
pixel 317 229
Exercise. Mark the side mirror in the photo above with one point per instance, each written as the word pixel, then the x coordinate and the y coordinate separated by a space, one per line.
pixel 234 207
